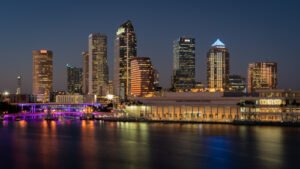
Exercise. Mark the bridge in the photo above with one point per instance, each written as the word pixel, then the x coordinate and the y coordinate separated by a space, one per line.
pixel 54 111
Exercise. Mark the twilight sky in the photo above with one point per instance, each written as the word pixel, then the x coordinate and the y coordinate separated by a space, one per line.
pixel 253 30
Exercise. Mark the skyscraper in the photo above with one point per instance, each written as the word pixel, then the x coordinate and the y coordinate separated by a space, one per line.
pixel 184 64
pixel 42 74
pixel 74 79
pixel 98 66
pixel 125 50
pixel 85 73
pixel 19 79
pixel 262 75
pixel 217 67
pixel 142 76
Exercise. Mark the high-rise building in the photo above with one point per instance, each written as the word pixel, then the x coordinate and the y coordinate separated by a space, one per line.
pixel 85 73
pixel 217 67
pixel 184 64
pixel 236 83
pixel 262 75
pixel 156 80
pixel 125 50
pixel 42 84
pixel 74 79
pixel 142 76
pixel 98 66
pixel 19 80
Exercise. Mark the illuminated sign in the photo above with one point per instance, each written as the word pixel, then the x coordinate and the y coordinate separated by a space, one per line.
pixel 270 102
pixel 187 40
pixel 120 31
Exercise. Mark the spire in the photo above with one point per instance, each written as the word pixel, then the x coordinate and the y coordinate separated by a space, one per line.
pixel 218 43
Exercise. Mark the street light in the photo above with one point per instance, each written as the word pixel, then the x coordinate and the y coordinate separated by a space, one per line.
pixel 5 93
pixel 110 97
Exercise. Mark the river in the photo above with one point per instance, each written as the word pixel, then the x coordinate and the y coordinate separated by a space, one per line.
pixel 122 145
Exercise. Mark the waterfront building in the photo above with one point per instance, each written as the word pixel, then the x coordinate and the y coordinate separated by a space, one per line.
pixel 125 50
pixel 69 99
pixel 262 75
pixel 74 79
pixel 236 83
pixel 85 73
pixel 218 67
pixel 142 76
pixel 97 65
pixel 42 83
pixel 267 106
pixel 183 64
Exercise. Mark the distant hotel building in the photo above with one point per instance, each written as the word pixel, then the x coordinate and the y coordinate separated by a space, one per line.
pixel 42 84
pixel 74 79
pixel 183 64
pixel 218 67
pixel 85 73
pixel 125 50
pixel 262 75
pixel 142 76
pixel 97 65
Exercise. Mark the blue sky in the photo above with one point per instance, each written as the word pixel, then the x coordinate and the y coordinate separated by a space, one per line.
pixel 252 30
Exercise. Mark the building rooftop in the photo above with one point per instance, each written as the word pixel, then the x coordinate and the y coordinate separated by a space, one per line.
pixel 218 43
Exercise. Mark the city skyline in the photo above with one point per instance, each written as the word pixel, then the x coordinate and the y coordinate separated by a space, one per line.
pixel 246 43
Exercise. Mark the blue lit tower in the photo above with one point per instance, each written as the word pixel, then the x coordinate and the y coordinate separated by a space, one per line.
pixel 217 67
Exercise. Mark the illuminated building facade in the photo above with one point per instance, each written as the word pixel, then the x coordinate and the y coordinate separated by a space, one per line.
pixel 268 106
pixel 218 67
pixel 236 83
pixel 42 83
pixel 98 65
pixel 125 50
pixel 262 75
pixel 74 79
pixel 183 64
pixel 142 76
pixel 85 73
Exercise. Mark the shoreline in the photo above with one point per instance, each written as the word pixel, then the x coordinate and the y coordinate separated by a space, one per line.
pixel 235 122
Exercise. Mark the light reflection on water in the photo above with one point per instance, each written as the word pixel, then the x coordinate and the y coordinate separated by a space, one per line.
pixel 98 144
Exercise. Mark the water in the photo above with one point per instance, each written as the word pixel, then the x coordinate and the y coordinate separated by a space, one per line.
pixel 93 145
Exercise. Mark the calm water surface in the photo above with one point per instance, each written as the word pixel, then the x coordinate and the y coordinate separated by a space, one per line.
pixel 93 145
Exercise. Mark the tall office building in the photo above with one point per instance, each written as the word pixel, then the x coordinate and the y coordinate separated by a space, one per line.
pixel 42 84
pixel 262 75
pixel 142 76
pixel 98 66
pixel 184 64
pixel 217 67
pixel 74 79
pixel 85 73
pixel 19 81
pixel 125 50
